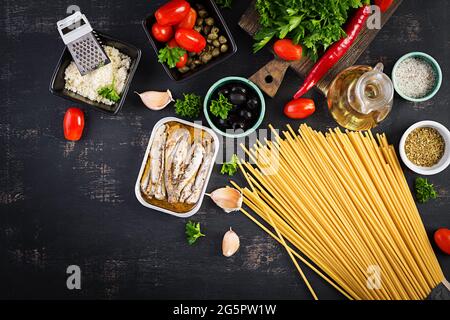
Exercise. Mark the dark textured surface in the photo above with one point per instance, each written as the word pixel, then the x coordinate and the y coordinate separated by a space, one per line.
pixel 64 203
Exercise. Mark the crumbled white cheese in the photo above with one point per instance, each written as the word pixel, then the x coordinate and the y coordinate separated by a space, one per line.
pixel 88 85
pixel 415 77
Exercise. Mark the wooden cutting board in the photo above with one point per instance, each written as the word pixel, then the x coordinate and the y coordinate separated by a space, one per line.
pixel 270 77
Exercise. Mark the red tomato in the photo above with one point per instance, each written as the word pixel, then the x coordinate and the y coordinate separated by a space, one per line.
pixel 162 33
pixel 384 4
pixel 442 239
pixel 172 13
pixel 299 108
pixel 183 60
pixel 189 21
pixel 288 51
pixel 190 40
pixel 73 124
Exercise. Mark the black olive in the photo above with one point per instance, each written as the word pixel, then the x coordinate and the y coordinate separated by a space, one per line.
pixel 238 125
pixel 224 122
pixel 253 103
pixel 245 114
pixel 239 89
pixel 224 91
pixel 237 98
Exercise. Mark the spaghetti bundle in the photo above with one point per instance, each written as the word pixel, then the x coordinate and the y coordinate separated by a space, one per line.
pixel 339 202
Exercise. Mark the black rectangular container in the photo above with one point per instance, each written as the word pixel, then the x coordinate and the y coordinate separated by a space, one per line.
pixel 57 84
pixel 214 12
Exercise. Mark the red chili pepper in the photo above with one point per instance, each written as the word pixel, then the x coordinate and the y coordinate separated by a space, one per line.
pixel 335 51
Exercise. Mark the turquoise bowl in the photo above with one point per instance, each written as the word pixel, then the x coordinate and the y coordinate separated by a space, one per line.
pixel 223 82
pixel 434 64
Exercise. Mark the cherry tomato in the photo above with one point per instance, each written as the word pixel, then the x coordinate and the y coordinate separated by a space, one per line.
pixel 73 124
pixel 190 40
pixel 384 4
pixel 183 60
pixel 189 21
pixel 287 50
pixel 299 108
pixel 172 13
pixel 162 33
pixel 442 239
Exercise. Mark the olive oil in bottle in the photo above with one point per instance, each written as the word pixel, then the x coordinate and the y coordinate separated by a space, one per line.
pixel 360 97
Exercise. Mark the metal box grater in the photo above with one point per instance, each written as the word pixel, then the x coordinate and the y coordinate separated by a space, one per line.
pixel 79 37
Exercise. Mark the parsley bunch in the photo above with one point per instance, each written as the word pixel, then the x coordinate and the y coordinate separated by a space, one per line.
pixel 315 24
pixel 170 56
pixel 189 107
pixel 109 92
pixel 221 107
pixel 230 167
pixel 193 232
pixel 424 190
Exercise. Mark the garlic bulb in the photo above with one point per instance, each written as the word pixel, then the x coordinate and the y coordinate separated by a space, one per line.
pixel 230 243
pixel 229 199
pixel 156 100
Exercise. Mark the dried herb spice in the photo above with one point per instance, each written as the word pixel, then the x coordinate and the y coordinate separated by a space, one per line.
pixel 424 147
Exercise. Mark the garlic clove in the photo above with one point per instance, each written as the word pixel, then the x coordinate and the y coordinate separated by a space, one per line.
pixel 156 100
pixel 229 199
pixel 230 243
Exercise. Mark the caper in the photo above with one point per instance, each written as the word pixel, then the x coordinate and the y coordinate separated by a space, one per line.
pixel 206 29
pixel 216 52
pixel 198 29
pixel 222 40
pixel 199 22
pixel 197 62
pixel 209 21
pixel 215 30
pixel 216 43
pixel 206 57
pixel 223 48
pixel 184 69
pixel 202 13
pixel 212 36
pixel 209 41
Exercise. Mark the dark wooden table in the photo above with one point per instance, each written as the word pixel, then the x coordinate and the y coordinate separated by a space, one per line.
pixel 64 203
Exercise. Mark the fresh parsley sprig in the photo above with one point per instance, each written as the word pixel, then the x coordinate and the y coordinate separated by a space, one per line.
pixel 193 232
pixel 424 190
pixel 170 56
pixel 230 167
pixel 189 107
pixel 221 107
pixel 109 92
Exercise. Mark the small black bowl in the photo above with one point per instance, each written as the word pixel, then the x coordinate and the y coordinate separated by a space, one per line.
pixel 214 12
pixel 57 84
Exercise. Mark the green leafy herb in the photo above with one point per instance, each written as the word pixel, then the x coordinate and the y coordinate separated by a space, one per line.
pixel 193 232
pixel 424 190
pixel 316 24
pixel 224 3
pixel 189 107
pixel 109 92
pixel 230 167
pixel 221 107
pixel 170 56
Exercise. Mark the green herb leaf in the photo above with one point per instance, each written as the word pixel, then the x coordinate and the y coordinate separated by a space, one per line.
pixel 170 56
pixel 230 167
pixel 224 3
pixel 189 107
pixel 193 232
pixel 316 24
pixel 109 92
pixel 424 190
pixel 221 107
